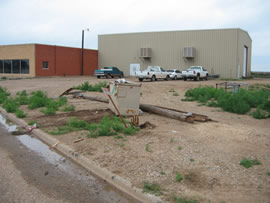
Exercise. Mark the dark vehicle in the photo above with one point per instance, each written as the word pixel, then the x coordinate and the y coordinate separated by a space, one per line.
pixel 109 72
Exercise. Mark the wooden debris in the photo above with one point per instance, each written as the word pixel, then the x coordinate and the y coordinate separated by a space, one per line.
pixel 54 145
pixel 78 140
pixel 162 111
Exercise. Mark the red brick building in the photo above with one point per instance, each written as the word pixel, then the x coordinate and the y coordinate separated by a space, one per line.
pixel 30 60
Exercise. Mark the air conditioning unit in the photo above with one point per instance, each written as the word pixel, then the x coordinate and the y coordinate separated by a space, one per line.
pixel 189 52
pixel 145 53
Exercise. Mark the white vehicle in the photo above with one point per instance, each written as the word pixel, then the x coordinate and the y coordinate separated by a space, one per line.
pixel 195 73
pixel 175 74
pixel 153 73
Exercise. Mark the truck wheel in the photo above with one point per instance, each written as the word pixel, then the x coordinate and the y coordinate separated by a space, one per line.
pixel 98 77
pixel 153 78
pixel 122 75
pixel 175 77
pixel 206 78
pixel 140 79
pixel 197 78
pixel 107 76
pixel 185 79
pixel 167 77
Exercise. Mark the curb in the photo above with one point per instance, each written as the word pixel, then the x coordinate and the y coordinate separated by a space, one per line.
pixel 102 173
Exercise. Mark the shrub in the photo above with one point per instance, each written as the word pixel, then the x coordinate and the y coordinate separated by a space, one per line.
pixel 38 99
pixel 3 95
pixel 20 113
pixel 247 163
pixel 151 188
pixel 91 88
pixel 68 108
pixel 10 105
pixel 183 200
pixel 179 177
pixel 239 102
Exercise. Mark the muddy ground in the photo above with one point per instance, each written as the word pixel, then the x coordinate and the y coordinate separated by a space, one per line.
pixel 206 154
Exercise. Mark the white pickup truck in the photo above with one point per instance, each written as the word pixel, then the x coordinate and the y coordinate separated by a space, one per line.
pixel 153 73
pixel 195 73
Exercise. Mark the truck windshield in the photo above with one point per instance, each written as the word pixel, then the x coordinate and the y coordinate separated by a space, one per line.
pixel 195 67
pixel 162 69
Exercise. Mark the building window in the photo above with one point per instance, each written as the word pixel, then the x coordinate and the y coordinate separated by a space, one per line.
pixel 16 66
pixel 25 66
pixel 1 66
pixel 45 64
pixel 7 66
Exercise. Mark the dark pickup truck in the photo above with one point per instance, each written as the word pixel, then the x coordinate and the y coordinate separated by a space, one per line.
pixel 109 72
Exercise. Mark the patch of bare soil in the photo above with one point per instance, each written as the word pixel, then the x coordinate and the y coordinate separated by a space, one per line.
pixel 207 155
pixel 91 116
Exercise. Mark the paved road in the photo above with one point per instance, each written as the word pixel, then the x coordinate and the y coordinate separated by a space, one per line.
pixel 30 172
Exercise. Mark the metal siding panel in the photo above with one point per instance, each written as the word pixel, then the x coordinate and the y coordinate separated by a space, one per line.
pixel 216 50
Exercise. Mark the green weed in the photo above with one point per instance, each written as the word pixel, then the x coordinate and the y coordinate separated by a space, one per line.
pixel 171 90
pixel 38 99
pixel 91 88
pixel 247 163
pixel 118 137
pixel 48 111
pixel 268 173
pixel 171 140
pixel 11 105
pixel 147 148
pixel 178 177
pixel 191 160
pixel 68 108
pixel 183 200
pixel 20 113
pixel 240 102
pixel 3 95
pixel 179 148
pixel 175 94
pixel 151 188
pixel 162 173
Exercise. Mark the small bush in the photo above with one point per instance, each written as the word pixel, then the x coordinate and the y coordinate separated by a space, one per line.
pixel 91 88
pixel 48 111
pixel 20 113
pixel 10 105
pixel 247 163
pixel 147 148
pixel 179 148
pixel 151 188
pixel 175 94
pixel 260 114
pixel 268 173
pixel 32 122
pixel 68 108
pixel 179 177
pixel 183 200
pixel 3 95
pixel 38 99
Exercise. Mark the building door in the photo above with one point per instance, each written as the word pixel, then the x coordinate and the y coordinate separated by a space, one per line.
pixel 134 68
pixel 245 61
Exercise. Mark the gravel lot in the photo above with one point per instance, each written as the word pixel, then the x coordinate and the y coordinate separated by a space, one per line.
pixel 206 154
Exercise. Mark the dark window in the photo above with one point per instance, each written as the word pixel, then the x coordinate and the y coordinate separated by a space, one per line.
pixel 25 66
pixel 7 66
pixel 45 64
pixel 16 66
pixel 1 66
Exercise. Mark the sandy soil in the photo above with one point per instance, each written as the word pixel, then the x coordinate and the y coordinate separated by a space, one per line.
pixel 206 154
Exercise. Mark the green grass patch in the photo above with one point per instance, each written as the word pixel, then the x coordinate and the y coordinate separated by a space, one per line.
pixel 147 148
pixel 178 177
pixel 183 200
pixel 175 94
pixel 240 102
pixel 11 105
pixel 68 108
pixel 179 148
pixel 268 173
pixel 91 88
pixel 106 127
pixel 247 163
pixel 20 113
pixel 191 160
pixel 151 188
pixel 3 95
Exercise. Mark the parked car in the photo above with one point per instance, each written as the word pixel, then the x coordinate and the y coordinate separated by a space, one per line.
pixel 175 74
pixel 109 72
pixel 153 73
pixel 195 73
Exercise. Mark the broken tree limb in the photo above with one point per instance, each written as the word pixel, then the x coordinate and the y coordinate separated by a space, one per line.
pixel 162 111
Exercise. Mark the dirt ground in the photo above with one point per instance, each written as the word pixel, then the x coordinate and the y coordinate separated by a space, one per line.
pixel 206 154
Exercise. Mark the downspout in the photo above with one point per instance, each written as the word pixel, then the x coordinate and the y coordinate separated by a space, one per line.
pixel 237 57
pixel 54 60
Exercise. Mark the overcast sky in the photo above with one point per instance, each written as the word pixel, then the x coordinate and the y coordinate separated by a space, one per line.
pixel 60 22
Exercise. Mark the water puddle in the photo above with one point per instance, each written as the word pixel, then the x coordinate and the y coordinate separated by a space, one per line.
pixel 43 150
pixel 8 124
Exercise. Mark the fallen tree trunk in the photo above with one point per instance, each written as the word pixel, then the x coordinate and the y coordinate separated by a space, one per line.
pixel 162 111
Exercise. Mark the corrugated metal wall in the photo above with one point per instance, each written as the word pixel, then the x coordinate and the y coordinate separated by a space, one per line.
pixel 216 50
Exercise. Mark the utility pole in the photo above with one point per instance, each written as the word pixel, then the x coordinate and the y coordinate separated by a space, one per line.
pixel 83 48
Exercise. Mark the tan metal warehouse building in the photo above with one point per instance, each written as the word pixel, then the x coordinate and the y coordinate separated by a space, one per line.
pixel 226 52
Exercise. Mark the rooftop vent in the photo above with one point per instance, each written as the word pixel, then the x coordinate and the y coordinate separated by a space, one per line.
pixel 189 52
pixel 145 53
